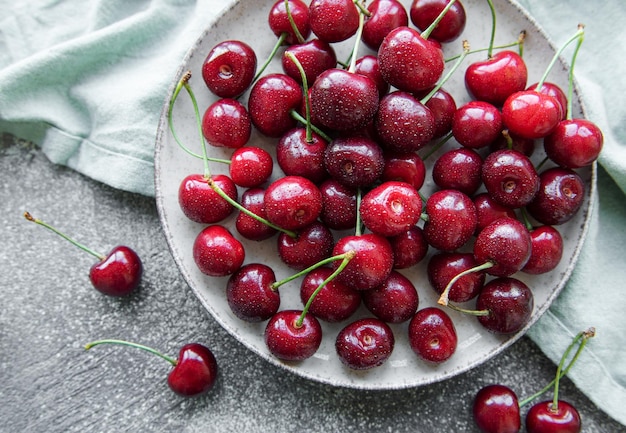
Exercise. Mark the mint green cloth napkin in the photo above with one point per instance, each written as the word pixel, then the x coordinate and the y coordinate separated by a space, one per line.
pixel 86 80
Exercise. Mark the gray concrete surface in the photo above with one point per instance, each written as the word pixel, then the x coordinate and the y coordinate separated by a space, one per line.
pixel 48 311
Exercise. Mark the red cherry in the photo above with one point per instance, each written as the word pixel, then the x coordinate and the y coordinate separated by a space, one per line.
pixel 506 244
pixel 333 20
pixel 226 123
pixel 443 107
pixel 253 200
pixel 560 196
pixel 543 417
pixel 531 114
pixel 292 202
pixel 195 371
pixel 335 302
pixel 424 12
pixel 442 267
pixel 451 219
pixel 555 91
pixel 458 169
pixel 546 251
pixel 297 156
pixel 288 339
pixel 229 68
pixel 271 100
pixel 477 124
pixel 391 208
pixel 216 252
pixel 432 335
pixel 250 166
pixel 250 293
pixel 574 143
pixel 495 79
pixel 117 274
pixel 385 15
pixel 404 167
pixel 487 211
pixel 365 344
pixel 409 248
pixel 510 178
pixel 311 245
pixel 314 56
pixel 394 301
pixel 339 205
pixel 354 161
pixel 368 66
pixel 200 203
pixel 509 302
pixel 280 24
pixel 496 410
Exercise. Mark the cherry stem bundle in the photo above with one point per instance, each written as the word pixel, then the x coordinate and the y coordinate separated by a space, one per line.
pixel 169 359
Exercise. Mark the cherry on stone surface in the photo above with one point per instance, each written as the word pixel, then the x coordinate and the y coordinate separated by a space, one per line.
pixel 250 293
pixel 292 202
pixel 496 410
pixel 279 22
pixel 385 15
pixel 250 166
pixel 546 251
pixel 560 196
pixel 200 203
pixel 226 123
pixel 298 156
pixel 543 417
pixel 333 20
pixel 394 301
pixel 335 302
pixel 509 302
pixel 495 79
pixel 477 124
pixel 458 169
pixel 365 343
pixel 531 114
pixel 253 199
pixel 229 68
pixel 510 178
pixel 574 143
pixel 432 335
pixel 442 267
pixel 354 161
pixel 217 252
pixel 506 244
pixel 451 219
pixel 409 248
pixel 312 244
pixel 288 339
pixel 424 12
pixel 339 207
pixel 271 100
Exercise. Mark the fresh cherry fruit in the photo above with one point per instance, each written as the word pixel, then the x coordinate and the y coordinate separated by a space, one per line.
pixel 403 124
pixel 250 166
pixel 409 62
pixel 574 143
pixel 555 91
pixel 339 208
pixel 335 302
pixel 292 202
pixel 311 245
pixel 372 263
pixel 280 23
pixel 194 373
pixel 354 161
pixel 451 219
pixel 493 80
pixel 509 302
pixel 443 107
pixel 289 339
pixel 217 252
pixel 272 98
pixel 200 203
pixel 477 124
pixel 385 15
pixel 116 274
pixel 442 267
pixel 496 410
pixel 560 196
pixel 315 56
pixel 424 12
pixel 394 301
pixel 546 251
pixel 488 210
pixel 365 343
pixel 531 114
pixel 506 244
pixel 342 100
pixel 229 68
pixel 333 20
pixel 543 417
pixel 510 178
pixel 368 65
pixel 297 156
pixel 409 248
pixel 253 199
pixel 226 123
pixel 391 208
pixel 432 335
pixel 404 167
pixel 250 293
pixel 458 169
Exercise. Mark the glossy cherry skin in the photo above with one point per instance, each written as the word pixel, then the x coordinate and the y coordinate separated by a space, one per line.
pixel 546 251
pixel 200 203
pixel 493 80
pixel 458 169
pixel 424 12
pixel 477 124
pixel 290 341
pixel 555 91
pixel 409 248
pixel 229 68
pixel 496 410
pixel 451 219
pixel 279 22
pixel 354 161
pixel 253 199
pixel 509 302
pixel 531 114
pixel 443 107
pixel 216 252
pixel 250 166
pixel 195 371
pixel 386 15
pixel 250 294
pixel 404 167
pixel 432 335
pixel 335 302
pixel 226 123
pixel 368 65
pixel 487 210
pixel 365 344
pixel 510 178
pixel 394 301
pixel 119 273
pixel 574 143
pixel 312 244
pixel 315 57
pixel 442 267
pixel 409 62
pixel 271 100
pixel 391 208
pixel 543 418
pixel 292 202
pixel 297 156
pixel 339 210
pixel 560 196
pixel 505 243
pixel 372 263
pixel 342 100
pixel 333 20
pixel 403 124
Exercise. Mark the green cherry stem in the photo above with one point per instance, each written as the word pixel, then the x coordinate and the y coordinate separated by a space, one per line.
pixel 518 43
pixel 443 298
pixel 294 27
pixel 449 74
pixel 492 37
pixel 426 33
pixel 315 129
pixel 438 145
pixel 279 42
pixel 169 359
pixel 570 85
pixel 578 35
pixel 305 95
pixel 30 218
pixel 321 263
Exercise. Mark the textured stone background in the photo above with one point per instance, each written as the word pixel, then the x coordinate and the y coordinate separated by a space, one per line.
pixel 48 311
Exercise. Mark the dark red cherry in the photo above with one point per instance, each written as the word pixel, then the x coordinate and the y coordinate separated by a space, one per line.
pixel 487 210
pixel 555 91
pixel 335 302
pixel 333 20
pixel 292 202
pixel 560 196
pixel 368 65
pixel 404 167
pixel 505 243
pixel 311 245
pixel 409 62
pixel 354 161
pixel 458 169
pixel 409 248
pixel 531 114
pixel 391 208
pixel 229 68
pixel 315 56
pixel 288 339
pixel 496 410
pixel 226 123
pixel 250 293
pixel 250 166
pixel 394 301
pixel 451 219
pixel 279 22
pixel 195 371
pixel 216 252
pixel 477 124
pixel 385 15
pixel 543 417
pixel 200 203
pixel 298 157
pixel 432 335
pixel 442 267
pixel 253 200
pixel 574 143
pixel 118 273
pixel 546 251
pixel 424 12
pixel 365 343
pixel 509 302
pixel 443 107
pixel 271 100
pixel 339 210
pixel 510 178
pixel 493 80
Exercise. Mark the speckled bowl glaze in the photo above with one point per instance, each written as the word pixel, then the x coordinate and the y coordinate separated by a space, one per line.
pixel 248 22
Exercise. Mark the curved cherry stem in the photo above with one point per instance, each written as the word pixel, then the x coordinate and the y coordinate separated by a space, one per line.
pixel 570 84
pixel 443 298
pixel 426 33
pixel 579 34
pixel 492 38
pixel 169 359
pixel 449 74
pixel 518 43
pixel 294 27
pixel 305 94
pixel 438 145
pixel 315 129
pixel 30 218
pixel 279 42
